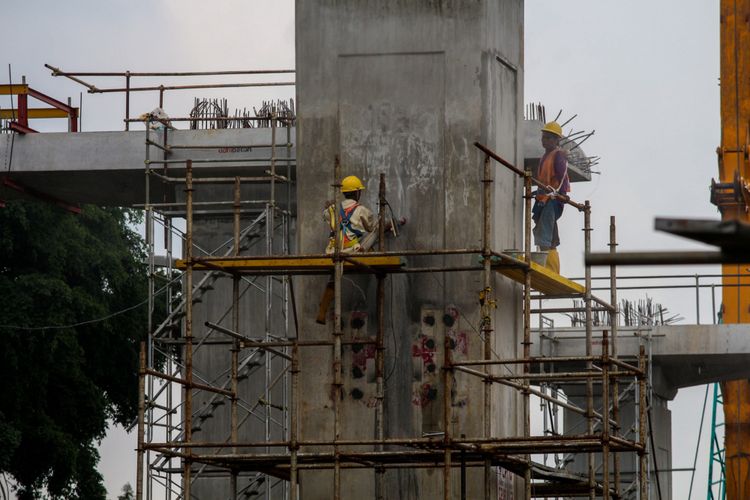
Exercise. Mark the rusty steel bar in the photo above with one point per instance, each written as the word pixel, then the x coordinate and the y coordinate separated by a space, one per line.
pixel 141 421
pixel 197 161
pixel 163 88
pixel 186 384
pixel 293 419
pixel 337 335
pixel 564 198
pixel 605 411
pixel 236 326
pixel 127 101
pixel 289 343
pixel 447 417
pixel 589 366
pixel 530 359
pixel 213 118
pixel 187 388
pixel 231 146
pixel 222 180
pixel 642 427
pixel 392 253
pixel 560 310
pixel 520 387
pixel 527 178
pixel 419 444
pixel 614 323
pixel 59 72
pixel 243 339
pixel 486 305
pixel 380 345
pixel 584 375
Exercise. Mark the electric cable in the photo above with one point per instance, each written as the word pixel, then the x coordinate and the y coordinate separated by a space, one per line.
pixel 87 322
pixel 698 444
pixel 653 451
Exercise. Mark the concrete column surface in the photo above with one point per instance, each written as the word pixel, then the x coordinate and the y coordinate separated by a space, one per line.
pixel 404 89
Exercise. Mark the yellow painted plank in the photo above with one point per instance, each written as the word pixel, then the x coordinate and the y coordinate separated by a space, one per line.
pixel 543 280
pixel 7 114
pixel 292 264
pixel 16 89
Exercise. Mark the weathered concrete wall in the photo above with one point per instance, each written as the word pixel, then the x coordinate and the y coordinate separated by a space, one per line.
pixel 404 89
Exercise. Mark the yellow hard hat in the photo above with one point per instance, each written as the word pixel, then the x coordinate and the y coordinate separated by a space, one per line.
pixel 351 183
pixel 553 128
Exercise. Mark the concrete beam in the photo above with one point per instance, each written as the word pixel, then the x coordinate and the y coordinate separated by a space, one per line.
pixel 683 355
pixel 107 168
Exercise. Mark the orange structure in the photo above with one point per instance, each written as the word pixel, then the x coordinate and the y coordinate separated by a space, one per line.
pixel 734 168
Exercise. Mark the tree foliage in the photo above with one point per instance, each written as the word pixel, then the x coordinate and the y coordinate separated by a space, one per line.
pixel 127 492
pixel 62 383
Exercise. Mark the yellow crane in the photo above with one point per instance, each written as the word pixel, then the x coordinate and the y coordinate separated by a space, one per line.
pixel 731 195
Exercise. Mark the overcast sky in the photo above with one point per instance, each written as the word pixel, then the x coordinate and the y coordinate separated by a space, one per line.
pixel 644 74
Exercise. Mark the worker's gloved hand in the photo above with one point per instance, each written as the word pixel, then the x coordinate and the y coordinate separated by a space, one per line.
pixel 327 204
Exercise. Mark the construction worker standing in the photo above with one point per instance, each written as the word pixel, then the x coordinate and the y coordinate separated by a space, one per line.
pixel 552 173
pixel 357 229
pixel 356 223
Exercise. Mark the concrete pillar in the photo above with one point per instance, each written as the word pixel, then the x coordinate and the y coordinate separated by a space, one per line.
pixel 404 89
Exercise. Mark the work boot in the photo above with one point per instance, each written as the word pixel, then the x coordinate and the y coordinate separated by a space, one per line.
pixel 325 302
pixel 553 260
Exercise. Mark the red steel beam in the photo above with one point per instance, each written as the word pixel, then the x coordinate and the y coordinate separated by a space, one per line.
pixel 40 195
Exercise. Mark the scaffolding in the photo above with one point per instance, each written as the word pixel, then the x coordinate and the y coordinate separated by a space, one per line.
pixel 171 454
pixel 178 396
pixel 169 408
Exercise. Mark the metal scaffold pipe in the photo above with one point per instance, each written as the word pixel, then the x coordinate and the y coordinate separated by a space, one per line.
pixel 487 303
pixel 188 348
pixel 527 183
pixel 380 346
pixel 613 324
pixel 589 326
pixel 337 334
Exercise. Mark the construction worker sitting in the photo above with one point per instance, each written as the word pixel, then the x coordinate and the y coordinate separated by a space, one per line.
pixel 552 173
pixel 356 224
